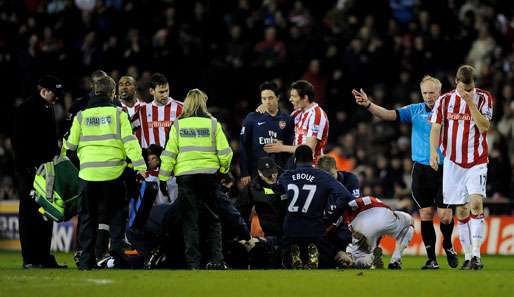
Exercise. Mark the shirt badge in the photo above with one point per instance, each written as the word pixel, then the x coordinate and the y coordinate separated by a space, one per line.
pixel 282 124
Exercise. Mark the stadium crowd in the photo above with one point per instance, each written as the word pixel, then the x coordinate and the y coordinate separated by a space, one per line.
pixel 229 49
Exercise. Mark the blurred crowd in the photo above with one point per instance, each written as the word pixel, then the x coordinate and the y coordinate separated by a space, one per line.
pixel 229 47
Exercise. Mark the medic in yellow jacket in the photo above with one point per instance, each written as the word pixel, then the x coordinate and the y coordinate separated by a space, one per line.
pixel 196 144
pixel 102 136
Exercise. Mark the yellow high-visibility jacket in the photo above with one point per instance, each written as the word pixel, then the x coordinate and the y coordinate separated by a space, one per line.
pixel 195 145
pixel 102 136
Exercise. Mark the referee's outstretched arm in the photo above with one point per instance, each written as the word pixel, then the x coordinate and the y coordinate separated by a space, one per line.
pixel 362 99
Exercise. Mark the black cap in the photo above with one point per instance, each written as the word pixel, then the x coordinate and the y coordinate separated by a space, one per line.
pixel 53 84
pixel 267 166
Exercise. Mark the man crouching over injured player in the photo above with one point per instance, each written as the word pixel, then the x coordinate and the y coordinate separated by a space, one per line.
pixel 369 220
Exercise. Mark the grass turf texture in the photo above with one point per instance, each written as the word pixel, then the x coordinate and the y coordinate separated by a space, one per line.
pixel 497 279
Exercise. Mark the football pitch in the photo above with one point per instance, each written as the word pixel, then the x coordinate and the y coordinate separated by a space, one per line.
pixel 497 279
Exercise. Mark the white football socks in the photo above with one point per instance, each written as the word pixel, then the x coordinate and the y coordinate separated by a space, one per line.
pixel 465 237
pixel 476 225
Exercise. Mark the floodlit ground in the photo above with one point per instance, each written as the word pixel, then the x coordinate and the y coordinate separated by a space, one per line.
pixel 497 279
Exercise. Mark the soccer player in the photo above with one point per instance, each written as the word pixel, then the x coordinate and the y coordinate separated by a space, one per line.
pixel 263 128
pixel 426 183
pixel 161 239
pixel 128 99
pixel 348 179
pixel 127 95
pixel 308 191
pixel 310 122
pixel 464 114
pixel 155 118
pixel 153 159
pixel 339 234
pixel 369 220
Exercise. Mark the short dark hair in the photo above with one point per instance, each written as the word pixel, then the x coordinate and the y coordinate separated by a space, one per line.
pixel 327 163
pixel 304 88
pixel 104 86
pixel 466 74
pixel 154 149
pixel 303 154
pixel 158 79
pixel 97 74
pixel 130 78
pixel 269 85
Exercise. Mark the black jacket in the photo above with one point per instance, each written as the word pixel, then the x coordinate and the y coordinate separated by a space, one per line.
pixel 270 208
pixel 34 136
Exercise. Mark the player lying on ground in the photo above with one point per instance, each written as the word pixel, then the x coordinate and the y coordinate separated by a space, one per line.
pixel 160 243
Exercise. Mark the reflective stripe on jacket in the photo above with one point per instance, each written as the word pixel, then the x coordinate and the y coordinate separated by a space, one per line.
pixel 195 145
pixel 103 139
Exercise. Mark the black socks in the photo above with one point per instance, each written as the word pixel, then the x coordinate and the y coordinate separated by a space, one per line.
pixel 447 230
pixel 428 234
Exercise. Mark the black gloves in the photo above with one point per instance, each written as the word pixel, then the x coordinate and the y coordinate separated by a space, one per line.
pixel 164 187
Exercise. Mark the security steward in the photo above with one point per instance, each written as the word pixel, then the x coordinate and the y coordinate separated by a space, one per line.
pixel 197 151
pixel 102 137
pixel 270 207
pixel 34 124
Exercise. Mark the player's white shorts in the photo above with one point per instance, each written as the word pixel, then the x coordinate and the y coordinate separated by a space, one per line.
pixel 378 221
pixel 459 182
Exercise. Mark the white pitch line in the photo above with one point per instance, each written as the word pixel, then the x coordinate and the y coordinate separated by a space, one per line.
pixel 99 281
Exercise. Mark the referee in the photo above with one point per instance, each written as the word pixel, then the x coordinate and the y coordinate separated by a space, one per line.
pixel 426 183
pixel 196 151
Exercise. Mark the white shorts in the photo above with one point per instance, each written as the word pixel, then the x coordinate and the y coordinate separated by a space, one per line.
pixel 459 182
pixel 379 221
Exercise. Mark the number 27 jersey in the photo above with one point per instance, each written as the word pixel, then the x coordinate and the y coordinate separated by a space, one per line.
pixel 310 192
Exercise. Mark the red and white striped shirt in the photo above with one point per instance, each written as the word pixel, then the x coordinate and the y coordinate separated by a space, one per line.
pixel 312 122
pixel 361 204
pixel 155 121
pixel 461 141
pixel 132 111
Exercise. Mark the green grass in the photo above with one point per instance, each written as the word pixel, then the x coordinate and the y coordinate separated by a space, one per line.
pixel 497 279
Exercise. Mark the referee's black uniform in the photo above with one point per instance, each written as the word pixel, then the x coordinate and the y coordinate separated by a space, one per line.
pixel 427 189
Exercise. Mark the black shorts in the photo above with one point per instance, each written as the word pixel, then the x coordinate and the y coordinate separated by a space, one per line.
pixel 427 186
